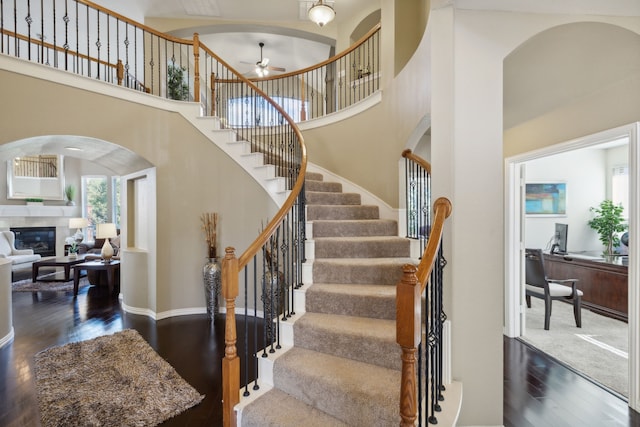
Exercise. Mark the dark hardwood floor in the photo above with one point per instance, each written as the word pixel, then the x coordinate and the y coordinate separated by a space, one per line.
pixel 538 391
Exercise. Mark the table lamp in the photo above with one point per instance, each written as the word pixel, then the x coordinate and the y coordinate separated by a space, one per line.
pixel 78 224
pixel 106 231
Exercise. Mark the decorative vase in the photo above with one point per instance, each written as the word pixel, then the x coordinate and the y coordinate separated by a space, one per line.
pixel 272 300
pixel 212 281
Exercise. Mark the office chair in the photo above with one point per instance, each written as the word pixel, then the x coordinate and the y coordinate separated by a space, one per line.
pixel 539 286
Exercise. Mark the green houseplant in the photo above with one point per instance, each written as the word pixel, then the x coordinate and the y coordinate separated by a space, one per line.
pixel 177 88
pixel 70 194
pixel 608 222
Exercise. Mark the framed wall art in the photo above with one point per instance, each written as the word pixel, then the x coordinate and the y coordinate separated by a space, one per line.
pixel 546 198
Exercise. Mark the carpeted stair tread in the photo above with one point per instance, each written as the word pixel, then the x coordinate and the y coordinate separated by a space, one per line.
pixel 358 394
pixel 315 212
pixel 279 409
pixel 352 228
pixel 331 198
pixel 384 271
pixel 362 247
pixel 357 338
pixel 314 176
pixel 311 185
pixel 375 301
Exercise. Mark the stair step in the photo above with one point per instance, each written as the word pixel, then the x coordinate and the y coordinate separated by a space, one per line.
pixel 362 247
pixel 314 176
pixel 315 212
pixel 331 198
pixel 379 271
pixel 346 228
pixel 357 338
pixel 311 185
pixel 356 393
pixel 376 301
pixel 279 409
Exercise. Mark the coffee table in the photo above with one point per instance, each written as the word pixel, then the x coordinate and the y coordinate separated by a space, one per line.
pixel 111 267
pixel 65 262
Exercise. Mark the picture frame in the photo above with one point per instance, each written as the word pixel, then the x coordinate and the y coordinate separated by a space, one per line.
pixel 45 183
pixel 546 199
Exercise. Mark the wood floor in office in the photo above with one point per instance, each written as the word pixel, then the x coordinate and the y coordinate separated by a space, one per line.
pixel 538 390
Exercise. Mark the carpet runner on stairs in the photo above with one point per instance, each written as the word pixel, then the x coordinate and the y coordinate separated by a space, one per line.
pixel 344 368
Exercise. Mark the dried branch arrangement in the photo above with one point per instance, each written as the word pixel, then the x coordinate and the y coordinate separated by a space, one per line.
pixel 210 227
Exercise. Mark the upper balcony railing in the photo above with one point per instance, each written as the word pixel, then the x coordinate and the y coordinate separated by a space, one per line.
pixel 316 91
pixel 83 38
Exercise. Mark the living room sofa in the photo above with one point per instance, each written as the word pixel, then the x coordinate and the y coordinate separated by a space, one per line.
pixel 20 258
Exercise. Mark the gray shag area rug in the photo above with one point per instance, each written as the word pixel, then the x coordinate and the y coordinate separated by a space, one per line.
pixel 113 380
pixel 599 349
pixel 28 286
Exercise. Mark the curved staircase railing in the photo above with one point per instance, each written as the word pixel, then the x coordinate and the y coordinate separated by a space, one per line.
pixel 324 88
pixel 419 308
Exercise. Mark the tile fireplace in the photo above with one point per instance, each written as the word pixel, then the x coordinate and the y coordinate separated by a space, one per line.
pixel 41 239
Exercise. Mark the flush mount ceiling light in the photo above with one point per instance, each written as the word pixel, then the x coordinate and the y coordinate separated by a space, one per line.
pixel 321 13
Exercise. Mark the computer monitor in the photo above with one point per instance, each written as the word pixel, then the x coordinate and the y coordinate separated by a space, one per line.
pixel 560 239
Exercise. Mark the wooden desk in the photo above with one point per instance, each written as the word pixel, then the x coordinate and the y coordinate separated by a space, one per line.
pixel 604 285
pixel 112 267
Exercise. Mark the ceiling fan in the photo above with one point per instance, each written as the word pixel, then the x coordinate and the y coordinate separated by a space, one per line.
pixel 262 67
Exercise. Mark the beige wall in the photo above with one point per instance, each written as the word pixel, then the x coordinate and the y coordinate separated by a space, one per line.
pixel 193 174
pixel 600 97
pixel 467 149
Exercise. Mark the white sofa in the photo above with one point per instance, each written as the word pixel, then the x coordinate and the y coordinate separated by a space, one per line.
pixel 20 258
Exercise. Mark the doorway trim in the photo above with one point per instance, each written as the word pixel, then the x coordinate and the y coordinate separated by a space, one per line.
pixel 514 244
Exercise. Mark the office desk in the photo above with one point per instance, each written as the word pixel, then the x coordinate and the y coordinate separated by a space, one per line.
pixel 604 285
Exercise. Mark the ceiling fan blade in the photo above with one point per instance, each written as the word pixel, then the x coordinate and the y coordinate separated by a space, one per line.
pixel 245 62
pixel 276 68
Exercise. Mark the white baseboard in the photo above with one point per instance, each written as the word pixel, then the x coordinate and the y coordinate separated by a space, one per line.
pixel 7 338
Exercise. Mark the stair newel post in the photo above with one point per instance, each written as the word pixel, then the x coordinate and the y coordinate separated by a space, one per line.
pixel 196 67
pixel 231 361
pixel 408 315
pixel 120 72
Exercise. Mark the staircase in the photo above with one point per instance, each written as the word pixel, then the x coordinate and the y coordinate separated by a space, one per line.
pixel 344 365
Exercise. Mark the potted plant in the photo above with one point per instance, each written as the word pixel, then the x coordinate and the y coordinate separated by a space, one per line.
pixel 608 222
pixel 70 194
pixel 177 88
pixel 34 201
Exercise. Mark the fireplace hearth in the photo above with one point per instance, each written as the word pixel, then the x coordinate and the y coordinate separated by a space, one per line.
pixel 41 239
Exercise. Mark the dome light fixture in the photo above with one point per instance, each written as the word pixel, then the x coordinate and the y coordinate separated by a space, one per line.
pixel 321 13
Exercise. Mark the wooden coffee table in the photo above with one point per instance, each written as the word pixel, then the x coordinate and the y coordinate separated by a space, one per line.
pixel 65 262
pixel 111 267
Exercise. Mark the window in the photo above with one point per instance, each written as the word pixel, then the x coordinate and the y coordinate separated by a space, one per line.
pixel 243 112
pixel 620 188
pixel 100 202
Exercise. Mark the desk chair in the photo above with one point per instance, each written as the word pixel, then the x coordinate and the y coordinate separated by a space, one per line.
pixel 539 286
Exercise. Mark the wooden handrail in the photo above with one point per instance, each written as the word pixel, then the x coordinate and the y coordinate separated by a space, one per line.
pixel 442 210
pixel 409 314
pixel 55 48
pixel 334 58
pixel 407 154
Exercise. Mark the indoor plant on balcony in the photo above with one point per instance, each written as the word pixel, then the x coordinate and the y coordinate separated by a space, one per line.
pixel 608 222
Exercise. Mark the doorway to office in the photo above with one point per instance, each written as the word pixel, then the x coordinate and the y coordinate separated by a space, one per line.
pixel 516 236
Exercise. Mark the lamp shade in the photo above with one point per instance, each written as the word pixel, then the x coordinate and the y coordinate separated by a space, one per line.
pixel 78 222
pixel 321 13
pixel 106 230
